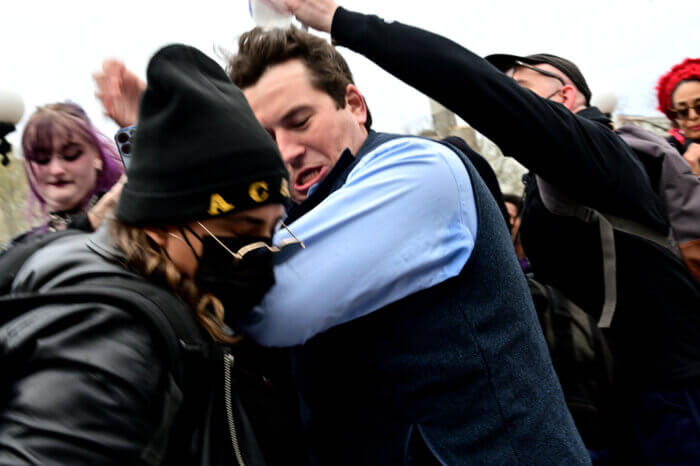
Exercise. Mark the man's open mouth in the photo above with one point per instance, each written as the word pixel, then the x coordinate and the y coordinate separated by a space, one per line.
pixel 308 177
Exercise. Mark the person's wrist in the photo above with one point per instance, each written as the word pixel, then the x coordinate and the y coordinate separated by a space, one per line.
pixel 328 26
pixel 334 22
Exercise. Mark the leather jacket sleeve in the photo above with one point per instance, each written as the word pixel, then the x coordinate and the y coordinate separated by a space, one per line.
pixel 81 384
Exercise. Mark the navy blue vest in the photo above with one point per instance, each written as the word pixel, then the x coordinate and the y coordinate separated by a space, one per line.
pixel 458 373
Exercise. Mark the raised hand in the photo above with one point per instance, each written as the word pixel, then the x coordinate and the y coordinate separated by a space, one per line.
pixel 105 206
pixel 317 14
pixel 119 90
pixel 692 156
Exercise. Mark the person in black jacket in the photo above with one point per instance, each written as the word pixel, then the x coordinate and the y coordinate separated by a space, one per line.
pixel 539 113
pixel 86 381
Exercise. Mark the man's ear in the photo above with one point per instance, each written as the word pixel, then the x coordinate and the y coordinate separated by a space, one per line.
pixel 569 94
pixel 356 103
pixel 158 235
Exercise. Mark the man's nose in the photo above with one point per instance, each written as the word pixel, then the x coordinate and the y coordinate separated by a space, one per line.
pixel 289 147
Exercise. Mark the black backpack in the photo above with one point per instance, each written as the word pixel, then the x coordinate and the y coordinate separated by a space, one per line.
pixel 582 360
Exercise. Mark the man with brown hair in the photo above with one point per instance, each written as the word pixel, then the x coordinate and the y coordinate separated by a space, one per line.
pixel 400 279
pixel 278 67
pixel 415 339
pixel 594 225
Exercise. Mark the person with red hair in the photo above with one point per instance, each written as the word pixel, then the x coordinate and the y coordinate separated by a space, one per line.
pixel 678 92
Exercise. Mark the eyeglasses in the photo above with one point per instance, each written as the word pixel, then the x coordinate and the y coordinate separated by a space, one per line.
pixel 684 113
pixel 258 245
pixel 538 70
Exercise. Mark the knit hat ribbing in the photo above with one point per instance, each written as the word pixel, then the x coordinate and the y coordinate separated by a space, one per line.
pixel 199 151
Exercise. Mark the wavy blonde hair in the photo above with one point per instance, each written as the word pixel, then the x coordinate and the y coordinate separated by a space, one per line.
pixel 148 259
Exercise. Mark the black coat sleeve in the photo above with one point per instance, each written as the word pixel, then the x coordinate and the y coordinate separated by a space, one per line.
pixel 81 385
pixel 583 158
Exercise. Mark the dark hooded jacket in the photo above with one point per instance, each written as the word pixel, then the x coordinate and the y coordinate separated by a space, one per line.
pixel 656 325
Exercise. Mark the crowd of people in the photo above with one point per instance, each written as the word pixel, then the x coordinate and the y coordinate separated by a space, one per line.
pixel 273 281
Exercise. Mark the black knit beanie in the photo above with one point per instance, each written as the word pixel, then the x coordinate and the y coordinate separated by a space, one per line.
pixel 198 152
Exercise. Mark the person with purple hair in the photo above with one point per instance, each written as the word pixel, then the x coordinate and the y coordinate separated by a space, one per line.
pixel 70 166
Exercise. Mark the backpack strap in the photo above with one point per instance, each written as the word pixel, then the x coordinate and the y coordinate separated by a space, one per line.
pixel 185 350
pixel 642 231
pixel 12 259
pixel 557 204
pixel 171 310
pixel 167 315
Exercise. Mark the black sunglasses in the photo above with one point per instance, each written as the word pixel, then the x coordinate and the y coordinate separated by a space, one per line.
pixel 684 113
pixel 540 71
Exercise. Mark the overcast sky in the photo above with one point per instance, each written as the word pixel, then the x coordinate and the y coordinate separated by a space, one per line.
pixel 51 48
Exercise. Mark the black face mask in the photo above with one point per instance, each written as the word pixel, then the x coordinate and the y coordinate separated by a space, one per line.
pixel 241 283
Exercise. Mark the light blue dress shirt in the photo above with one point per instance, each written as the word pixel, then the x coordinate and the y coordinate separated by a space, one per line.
pixel 404 221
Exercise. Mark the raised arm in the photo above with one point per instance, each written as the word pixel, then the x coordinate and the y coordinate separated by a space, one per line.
pixel 404 221
pixel 571 152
